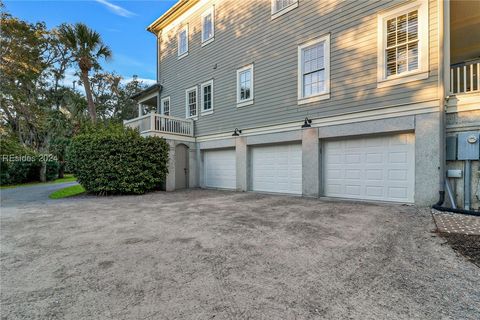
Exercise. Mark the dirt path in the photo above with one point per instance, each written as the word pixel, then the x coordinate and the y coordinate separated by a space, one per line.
pixel 221 255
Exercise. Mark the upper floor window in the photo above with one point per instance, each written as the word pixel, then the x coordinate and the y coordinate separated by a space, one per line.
pixel 207 97
pixel 280 7
pixel 403 43
pixel 183 42
pixel 191 102
pixel 208 26
pixel 165 104
pixel 245 86
pixel 314 70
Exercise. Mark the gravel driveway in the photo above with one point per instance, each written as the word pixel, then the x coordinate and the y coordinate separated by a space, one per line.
pixel 201 254
pixel 35 194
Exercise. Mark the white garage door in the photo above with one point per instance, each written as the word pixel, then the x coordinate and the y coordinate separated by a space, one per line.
pixel 277 168
pixel 375 168
pixel 220 169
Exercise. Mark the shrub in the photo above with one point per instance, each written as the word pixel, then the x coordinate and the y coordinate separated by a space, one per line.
pixel 19 164
pixel 52 170
pixel 117 160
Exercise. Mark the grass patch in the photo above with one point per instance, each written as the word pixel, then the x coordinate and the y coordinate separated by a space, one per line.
pixel 66 178
pixel 67 192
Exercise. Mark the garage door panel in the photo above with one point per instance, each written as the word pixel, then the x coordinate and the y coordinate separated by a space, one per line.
pixel 378 168
pixel 220 169
pixel 277 168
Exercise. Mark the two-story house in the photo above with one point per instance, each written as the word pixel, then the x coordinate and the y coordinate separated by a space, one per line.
pixel 330 98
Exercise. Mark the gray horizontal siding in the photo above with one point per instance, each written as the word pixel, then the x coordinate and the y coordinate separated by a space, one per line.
pixel 244 34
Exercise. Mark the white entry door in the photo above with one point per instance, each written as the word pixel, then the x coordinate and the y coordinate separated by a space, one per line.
pixel 373 168
pixel 277 168
pixel 220 169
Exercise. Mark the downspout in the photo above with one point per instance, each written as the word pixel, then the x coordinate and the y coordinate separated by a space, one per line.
pixel 158 55
pixel 444 64
pixel 443 47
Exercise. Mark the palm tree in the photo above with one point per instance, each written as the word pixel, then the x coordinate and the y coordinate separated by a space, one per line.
pixel 87 49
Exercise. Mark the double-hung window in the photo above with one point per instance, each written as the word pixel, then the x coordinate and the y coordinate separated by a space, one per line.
pixel 208 26
pixel 183 42
pixel 280 7
pixel 207 97
pixel 191 102
pixel 314 70
pixel 403 44
pixel 245 86
pixel 165 103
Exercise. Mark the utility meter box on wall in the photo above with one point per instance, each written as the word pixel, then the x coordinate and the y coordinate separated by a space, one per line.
pixel 468 146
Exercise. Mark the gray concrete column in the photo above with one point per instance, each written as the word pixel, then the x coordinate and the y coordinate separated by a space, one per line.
pixel 170 181
pixel 427 158
pixel 201 168
pixel 241 163
pixel 310 162
pixel 192 166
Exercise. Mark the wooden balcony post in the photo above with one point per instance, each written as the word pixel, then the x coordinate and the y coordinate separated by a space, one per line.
pixel 152 121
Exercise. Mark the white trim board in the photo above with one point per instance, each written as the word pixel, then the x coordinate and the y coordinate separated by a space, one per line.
pixel 353 117
pixel 150 96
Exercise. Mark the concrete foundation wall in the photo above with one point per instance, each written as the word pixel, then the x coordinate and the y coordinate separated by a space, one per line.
pixel 427 161
pixel 458 122
pixel 457 184
pixel 310 162
pixel 427 158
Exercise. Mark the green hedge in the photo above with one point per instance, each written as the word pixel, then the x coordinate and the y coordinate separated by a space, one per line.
pixel 19 164
pixel 117 160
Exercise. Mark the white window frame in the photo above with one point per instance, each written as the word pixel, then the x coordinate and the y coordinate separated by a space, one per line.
pixel 203 85
pixel 162 109
pixel 187 109
pixel 211 11
pixel 182 54
pixel 249 101
pixel 423 42
pixel 277 13
pixel 326 93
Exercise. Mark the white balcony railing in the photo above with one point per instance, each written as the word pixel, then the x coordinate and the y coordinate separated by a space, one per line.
pixel 154 122
pixel 465 78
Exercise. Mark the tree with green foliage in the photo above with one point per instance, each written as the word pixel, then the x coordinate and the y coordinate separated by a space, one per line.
pixel 112 96
pixel 36 109
pixel 126 163
pixel 87 49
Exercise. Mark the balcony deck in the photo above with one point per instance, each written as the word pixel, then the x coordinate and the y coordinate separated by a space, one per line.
pixel 465 77
pixel 154 124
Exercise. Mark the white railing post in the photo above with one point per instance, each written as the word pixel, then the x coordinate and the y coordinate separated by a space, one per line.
pixel 478 76
pixel 467 78
pixel 451 80
pixel 471 77
pixel 152 121
pixel 162 123
pixel 458 80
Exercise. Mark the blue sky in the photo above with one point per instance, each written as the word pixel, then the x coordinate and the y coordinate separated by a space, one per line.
pixel 122 25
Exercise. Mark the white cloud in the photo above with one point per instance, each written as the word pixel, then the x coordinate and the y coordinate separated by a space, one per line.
pixel 70 77
pixel 116 9
pixel 146 81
